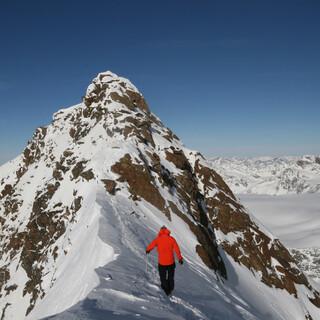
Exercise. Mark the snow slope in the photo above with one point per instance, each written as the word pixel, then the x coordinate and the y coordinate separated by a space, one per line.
pixel 89 192
pixel 272 176
pixel 129 289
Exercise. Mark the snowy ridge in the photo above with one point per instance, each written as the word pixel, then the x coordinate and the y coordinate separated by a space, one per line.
pixel 267 175
pixel 89 192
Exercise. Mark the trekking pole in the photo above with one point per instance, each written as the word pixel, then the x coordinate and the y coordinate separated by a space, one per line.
pixel 152 263
pixel 147 264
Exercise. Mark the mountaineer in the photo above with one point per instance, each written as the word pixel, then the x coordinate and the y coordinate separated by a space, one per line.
pixel 166 246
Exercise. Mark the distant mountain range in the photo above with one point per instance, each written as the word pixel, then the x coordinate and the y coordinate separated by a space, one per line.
pixel 308 261
pixel 267 175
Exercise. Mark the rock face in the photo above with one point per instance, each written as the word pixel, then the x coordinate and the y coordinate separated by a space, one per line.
pixel 113 142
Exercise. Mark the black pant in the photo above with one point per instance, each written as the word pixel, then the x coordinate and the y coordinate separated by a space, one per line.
pixel 167 277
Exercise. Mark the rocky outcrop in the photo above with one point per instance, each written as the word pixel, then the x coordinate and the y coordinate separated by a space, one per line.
pixel 110 186
pixel 36 243
pixel 141 182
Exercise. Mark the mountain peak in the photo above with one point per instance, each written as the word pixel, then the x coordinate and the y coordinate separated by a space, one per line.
pixel 93 187
pixel 107 87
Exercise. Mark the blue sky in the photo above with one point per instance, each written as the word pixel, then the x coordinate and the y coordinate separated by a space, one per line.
pixel 228 77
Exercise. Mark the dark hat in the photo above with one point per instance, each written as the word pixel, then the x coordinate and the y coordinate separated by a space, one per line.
pixel 163 227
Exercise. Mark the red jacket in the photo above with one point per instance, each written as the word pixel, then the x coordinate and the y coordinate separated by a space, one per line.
pixel 166 245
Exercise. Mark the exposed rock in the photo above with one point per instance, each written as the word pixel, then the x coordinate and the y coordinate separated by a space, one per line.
pixel 170 136
pixel 131 100
pixel 78 169
pixel 31 154
pixel 110 186
pixel 141 182
pixel 4 276
pixel 138 128
pixel 8 289
pixel 179 159
pixel 97 94
pixel 72 132
pixel 88 175
pixel 208 250
pixel 8 190
pixel 164 175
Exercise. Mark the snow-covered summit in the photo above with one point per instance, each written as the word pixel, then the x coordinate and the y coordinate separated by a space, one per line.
pixel 107 86
pixel 91 189
pixel 109 77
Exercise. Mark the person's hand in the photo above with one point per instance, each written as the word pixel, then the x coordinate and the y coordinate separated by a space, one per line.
pixel 147 251
pixel 181 261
